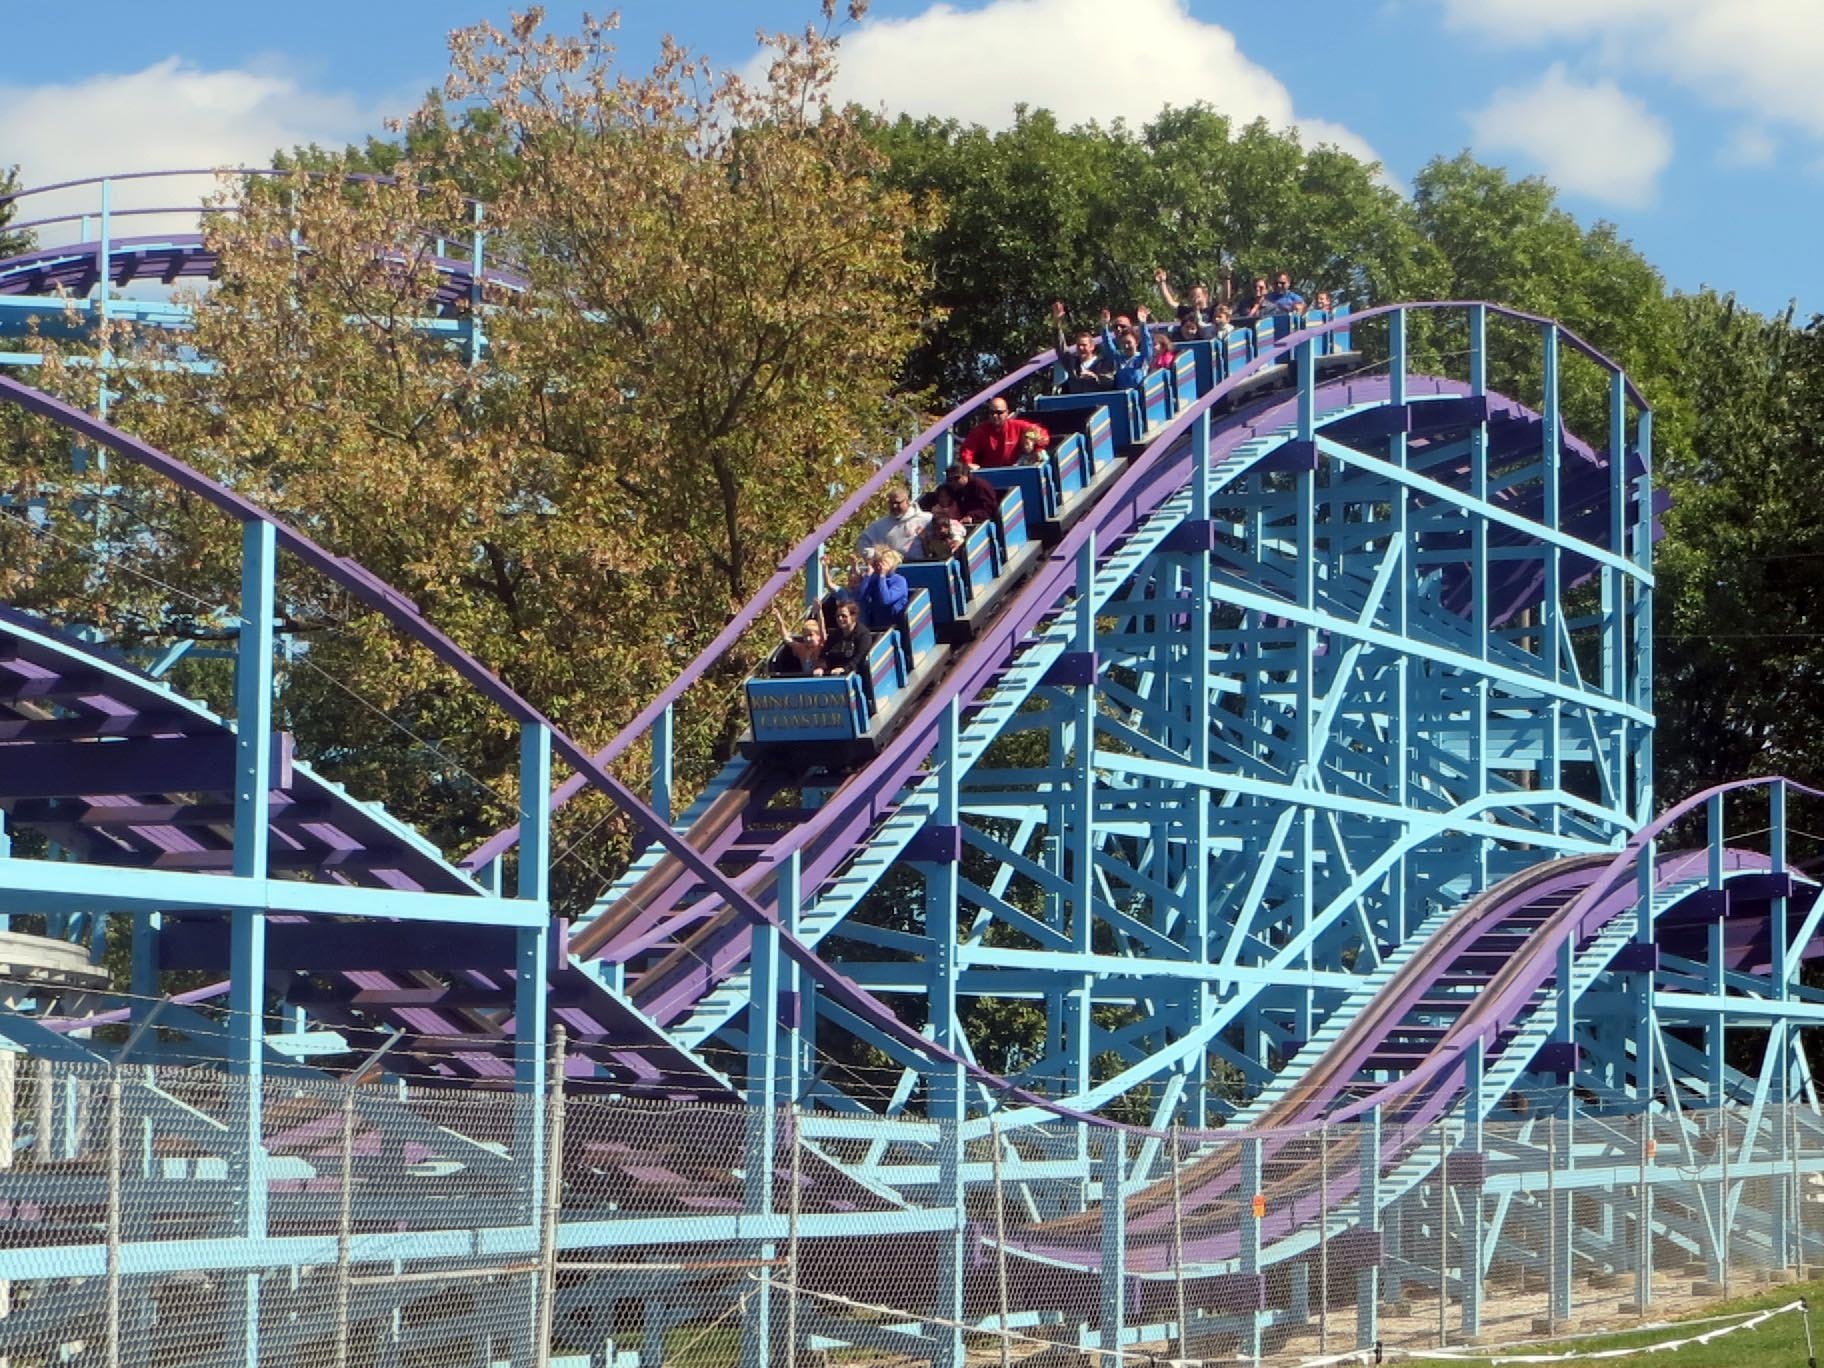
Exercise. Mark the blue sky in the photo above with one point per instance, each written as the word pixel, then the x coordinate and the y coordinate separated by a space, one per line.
pixel 1697 126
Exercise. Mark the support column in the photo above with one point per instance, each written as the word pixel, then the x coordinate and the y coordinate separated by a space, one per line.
pixel 1551 628
pixel 533 884
pixel 1782 973
pixel 1715 1035
pixel 1615 680
pixel 1305 692
pixel 1197 857
pixel 1645 1027
pixel 1402 615
pixel 1250 1191
pixel 1643 1218
pixel 1561 1241
pixel 762 1159
pixel 661 741
pixel 1081 836
pixel 1643 621
pixel 247 926
pixel 946 1085
pixel 474 337
pixel 1478 572
pixel 532 1062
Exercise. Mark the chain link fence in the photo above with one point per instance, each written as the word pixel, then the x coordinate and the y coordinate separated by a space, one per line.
pixel 420 1225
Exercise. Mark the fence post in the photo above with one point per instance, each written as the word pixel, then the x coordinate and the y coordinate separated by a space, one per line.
pixel 1000 1238
pixel 1643 1219
pixel 1184 1315
pixel 1443 1232
pixel 345 1214
pixel 114 1215
pixel 1323 1239
pixel 1798 1186
pixel 1551 1225
pixel 1114 1243
pixel 554 1196
pixel 793 1202
pixel 763 1116
pixel 1470 1241
pixel 1368 1281
pixel 9 1119
pixel 1722 1203
pixel 1250 1192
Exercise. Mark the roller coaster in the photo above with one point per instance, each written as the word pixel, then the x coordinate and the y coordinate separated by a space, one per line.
pixel 1285 755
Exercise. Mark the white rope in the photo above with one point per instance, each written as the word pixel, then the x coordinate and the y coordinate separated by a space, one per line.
pixel 1645 1328
pixel 849 1303
pixel 1736 1321
pixel 1752 1320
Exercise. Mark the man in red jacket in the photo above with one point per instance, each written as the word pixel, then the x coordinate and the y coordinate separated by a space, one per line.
pixel 996 441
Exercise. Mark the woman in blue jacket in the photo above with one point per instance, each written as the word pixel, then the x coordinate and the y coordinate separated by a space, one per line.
pixel 1129 348
pixel 883 592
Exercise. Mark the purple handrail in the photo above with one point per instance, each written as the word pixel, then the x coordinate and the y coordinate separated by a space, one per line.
pixel 355 176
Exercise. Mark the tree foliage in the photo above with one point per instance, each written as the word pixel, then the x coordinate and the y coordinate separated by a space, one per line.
pixel 12 241
pixel 1741 639
pixel 725 293
pixel 1037 212
pixel 692 353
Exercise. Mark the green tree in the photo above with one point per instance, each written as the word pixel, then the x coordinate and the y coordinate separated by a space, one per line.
pixel 1507 241
pixel 1741 571
pixel 12 242
pixel 1036 212
pixel 715 300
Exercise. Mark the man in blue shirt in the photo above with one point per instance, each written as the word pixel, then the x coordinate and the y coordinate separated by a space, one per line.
pixel 1283 299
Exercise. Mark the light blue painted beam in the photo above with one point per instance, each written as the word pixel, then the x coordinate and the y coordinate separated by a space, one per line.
pixel 35 885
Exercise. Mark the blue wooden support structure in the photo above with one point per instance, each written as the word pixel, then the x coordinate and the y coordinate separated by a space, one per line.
pixel 1260 750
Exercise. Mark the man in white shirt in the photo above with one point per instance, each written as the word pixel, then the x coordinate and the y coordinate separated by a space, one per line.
pixel 899 529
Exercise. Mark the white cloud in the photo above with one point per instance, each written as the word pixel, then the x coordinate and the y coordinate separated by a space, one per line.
pixel 976 65
pixel 1756 57
pixel 1589 139
pixel 1750 146
pixel 1539 21
pixel 168 116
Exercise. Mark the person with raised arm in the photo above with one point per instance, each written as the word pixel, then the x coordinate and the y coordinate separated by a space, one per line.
pixel 1080 367
pixel 1254 307
pixel 1200 300
pixel 803 647
pixel 1127 345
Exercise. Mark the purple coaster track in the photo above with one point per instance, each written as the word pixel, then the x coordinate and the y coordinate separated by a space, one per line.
pixel 72 270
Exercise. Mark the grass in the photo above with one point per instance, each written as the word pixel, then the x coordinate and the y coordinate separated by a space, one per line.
pixel 1780 1343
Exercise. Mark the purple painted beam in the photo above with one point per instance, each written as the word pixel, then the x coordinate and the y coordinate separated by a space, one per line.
pixel 178 764
pixel 303 945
